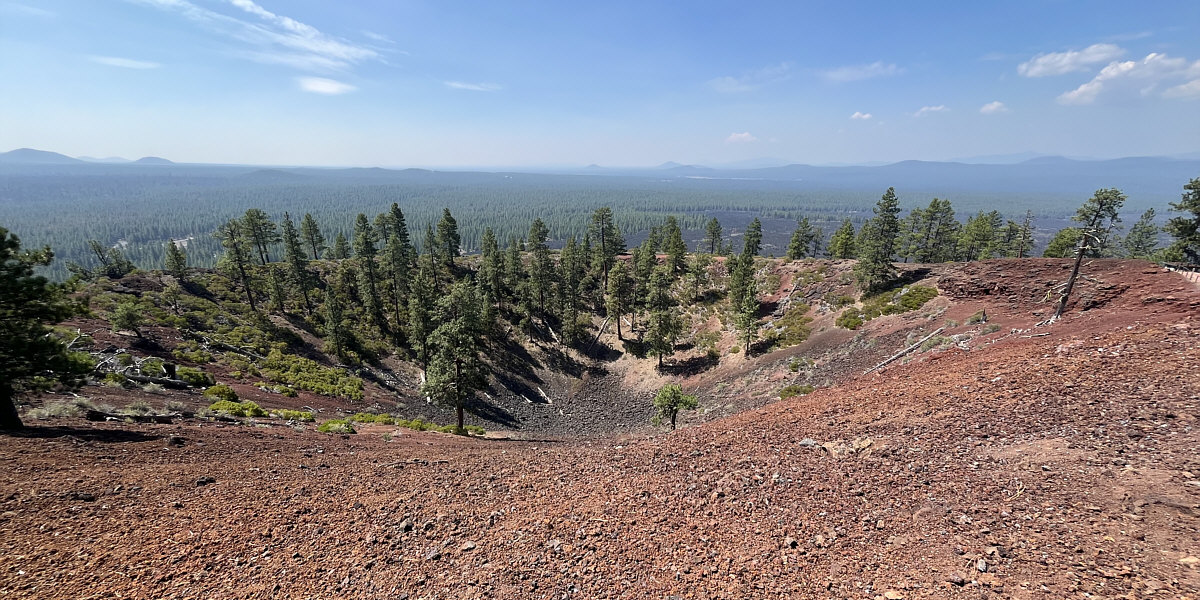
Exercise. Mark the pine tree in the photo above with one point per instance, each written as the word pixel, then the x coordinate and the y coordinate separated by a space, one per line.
pixel 298 274
pixel 420 306
pixel 1063 244
pixel 514 269
pixel 176 261
pixel 448 240
pixel 430 247
pixel 1024 241
pixel 30 355
pixel 841 245
pixel 747 315
pixel 396 269
pixel 310 232
pixel 1143 237
pixel 337 336
pixel 980 237
pixel 236 260
pixel 541 269
pixel 669 401
pixel 620 291
pixel 127 316
pixel 1099 214
pixel 341 248
pixel 753 238
pixel 874 270
pixel 364 249
pixel 275 292
pixel 712 235
pixel 802 240
pixel 570 276
pixel 887 222
pixel 664 324
pixel 698 276
pixel 608 243
pixel 455 372
pixel 261 232
pixel 1186 229
pixel 674 246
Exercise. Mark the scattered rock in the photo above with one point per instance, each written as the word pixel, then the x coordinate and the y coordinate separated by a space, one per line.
pixel 206 480
pixel 981 565
pixel 468 546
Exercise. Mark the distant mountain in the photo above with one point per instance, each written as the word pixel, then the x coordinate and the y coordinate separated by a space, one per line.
pixel 152 160
pixel 29 156
pixel 998 159
pixel 108 160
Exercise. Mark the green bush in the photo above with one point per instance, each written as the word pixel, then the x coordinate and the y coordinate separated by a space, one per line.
pixel 336 426
pixel 238 409
pixel 364 417
pixel 115 378
pixel 735 349
pixel 851 318
pixel 294 415
pixel 792 328
pixel 416 424
pixel 907 299
pixel 194 377
pixel 937 341
pixel 795 390
pixel 222 392
pixel 979 317
pixel 476 430
pixel 990 328
pixel 302 373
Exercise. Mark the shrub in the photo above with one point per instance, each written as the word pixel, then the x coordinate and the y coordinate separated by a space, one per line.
pixel 851 318
pixel 364 417
pixel 908 299
pixel 476 430
pixel 238 409
pixel 139 407
pixel 451 429
pixel 336 426
pixel 294 415
pixel 302 373
pixel 735 349
pixel 990 328
pixel 115 379
pixel 222 392
pixel 979 317
pixel 792 328
pixel 194 377
pixel 938 341
pixel 174 406
pixel 795 390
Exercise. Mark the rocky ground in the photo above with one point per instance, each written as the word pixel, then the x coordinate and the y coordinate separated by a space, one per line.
pixel 1047 462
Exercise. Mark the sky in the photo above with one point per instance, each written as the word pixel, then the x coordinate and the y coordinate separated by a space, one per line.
pixel 443 83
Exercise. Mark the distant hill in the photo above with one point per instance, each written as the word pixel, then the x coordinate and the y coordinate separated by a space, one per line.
pixel 29 156
pixel 152 160
pixel 108 160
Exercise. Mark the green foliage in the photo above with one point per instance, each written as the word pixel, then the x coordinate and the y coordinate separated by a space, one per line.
pixel 792 328
pixel 379 419
pixel 115 378
pixel 1063 244
pixel 937 341
pixel 990 328
pixel 221 392
pixel 795 390
pixel 979 317
pixel 906 299
pixel 234 408
pixel 1186 227
pixel 302 373
pixel 669 401
pixel 293 415
pixel 1143 237
pixel 340 426
pixel 194 377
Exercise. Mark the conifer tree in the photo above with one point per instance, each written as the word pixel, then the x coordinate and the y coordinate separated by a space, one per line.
pixel 674 246
pixel 802 240
pixel 514 269
pixel 698 278
pixel 753 238
pixel 669 401
pixel 541 269
pixel 1142 239
pixel 127 316
pixel 420 306
pixel 1099 215
pixel 261 232
pixel 275 291
pixel 712 235
pixel 341 248
pixel 176 262
pixel 448 239
pixel 664 324
pixel 455 371
pixel 841 245
pixel 365 251
pixel 430 247
pixel 298 274
pixel 30 355
pixel 747 316
pixel 980 237
pixel 310 232
pixel 337 335
pixel 1024 243
pixel 874 269
pixel 396 269
pixel 236 260
pixel 620 291
pixel 569 278
pixel 607 241
pixel 1186 228
pixel 491 267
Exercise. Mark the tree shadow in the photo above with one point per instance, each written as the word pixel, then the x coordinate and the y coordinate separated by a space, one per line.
pixel 513 358
pixel 760 347
pixel 691 366
pixel 492 413
pixel 518 387
pixel 562 362
pixel 909 277
pixel 86 434
pixel 601 352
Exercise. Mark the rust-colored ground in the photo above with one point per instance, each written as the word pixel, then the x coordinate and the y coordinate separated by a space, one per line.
pixel 1057 466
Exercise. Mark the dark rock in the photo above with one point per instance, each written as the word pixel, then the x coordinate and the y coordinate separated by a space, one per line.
pixel 206 480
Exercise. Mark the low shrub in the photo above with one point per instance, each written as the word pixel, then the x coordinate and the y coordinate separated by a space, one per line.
pixel 115 379
pixel 237 409
pixel 364 417
pixel 194 377
pixel 302 373
pixel 336 426
pixel 990 328
pixel 294 415
pixel 979 317
pixel 907 299
pixel 937 341
pixel 795 390
pixel 222 392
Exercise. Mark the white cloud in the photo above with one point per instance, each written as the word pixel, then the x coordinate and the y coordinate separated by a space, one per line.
pixel 740 138
pixel 124 63
pixel 993 108
pixel 321 85
pixel 1187 90
pixel 1138 78
pixel 1059 63
pixel 272 38
pixel 924 110
pixel 860 116
pixel 860 72
pixel 474 87
pixel 752 80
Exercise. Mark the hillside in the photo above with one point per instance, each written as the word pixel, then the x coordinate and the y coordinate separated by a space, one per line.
pixel 1023 462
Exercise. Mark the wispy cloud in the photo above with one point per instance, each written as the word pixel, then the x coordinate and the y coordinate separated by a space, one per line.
pixel 740 138
pixel 861 116
pixel 925 110
pixel 124 63
pixel 473 87
pixel 1140 78
pixel 272 38
pixel 860 72
pixel 751 80
pixel 1131 36
pixel 321 85
pixel 993 108
pixel 1059 63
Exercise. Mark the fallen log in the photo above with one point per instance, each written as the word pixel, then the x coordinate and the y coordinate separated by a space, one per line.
pixel 904 351
pixel 99 415
pixel 176 384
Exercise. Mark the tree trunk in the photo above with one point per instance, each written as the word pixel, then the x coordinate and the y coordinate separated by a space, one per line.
pixel 9 419
pixel 673 415
pixel 1062 302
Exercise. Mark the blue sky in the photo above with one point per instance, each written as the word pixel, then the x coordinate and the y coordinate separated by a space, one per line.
pixel 470 84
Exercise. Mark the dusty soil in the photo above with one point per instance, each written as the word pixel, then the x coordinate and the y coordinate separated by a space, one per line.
pixel 1046 462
